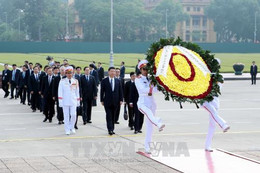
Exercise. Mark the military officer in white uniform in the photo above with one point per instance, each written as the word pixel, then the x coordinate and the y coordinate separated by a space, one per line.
pixel 212 107
pixel 69 99
pixel 146 103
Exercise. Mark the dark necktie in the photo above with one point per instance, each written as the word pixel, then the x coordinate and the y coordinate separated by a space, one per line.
pixel 70 81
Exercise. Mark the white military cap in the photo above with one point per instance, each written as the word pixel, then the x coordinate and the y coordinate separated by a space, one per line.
pixel 69 69
pixel 142 64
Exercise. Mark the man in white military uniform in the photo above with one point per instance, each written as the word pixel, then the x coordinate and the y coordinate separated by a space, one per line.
pixel 146 103
pixel 69 99
pixel 212 107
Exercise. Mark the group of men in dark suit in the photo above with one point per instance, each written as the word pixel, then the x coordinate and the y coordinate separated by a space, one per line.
pixel 40 89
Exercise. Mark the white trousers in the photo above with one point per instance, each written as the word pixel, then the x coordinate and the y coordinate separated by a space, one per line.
pixel 149 112
pixel 69 117
pixel 213 107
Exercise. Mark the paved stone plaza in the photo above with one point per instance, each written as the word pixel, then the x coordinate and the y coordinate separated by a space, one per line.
pixel 29 145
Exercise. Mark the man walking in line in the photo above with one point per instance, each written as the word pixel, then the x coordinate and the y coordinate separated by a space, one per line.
pixel 14 81
pixel 34 87
pixel 23 84
pixel 127 95
pixel 122 82
pixel 46 92
pixel 6 77
pixel 100 71
pixel 69 99
pixel 88 93
pixel 111 97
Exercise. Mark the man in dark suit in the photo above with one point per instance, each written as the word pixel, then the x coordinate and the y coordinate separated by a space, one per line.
pixel 122 70
pixel 139 117
pixel 30 71
pixel 34 87
pixel 46 93
pixel 42 75
pixel 253 72
pixel 55 94
pixel 94 73
pixel 137 71
pixel 111 97
pixel 127 91
pixel 23 84
pixel 94 63
pixel 14 81
pixel 100 71
pixel 88 93
pixel 6 77
pixel 78 73
pixel 122 81
pixel 30 68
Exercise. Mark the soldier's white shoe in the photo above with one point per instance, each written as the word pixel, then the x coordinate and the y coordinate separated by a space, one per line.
pixel 226 128
pixel 148 151
pixel 73 131
pixel 161 126
pixel 67 133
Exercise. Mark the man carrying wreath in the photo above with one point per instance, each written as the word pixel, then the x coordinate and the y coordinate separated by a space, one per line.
pixel 146 103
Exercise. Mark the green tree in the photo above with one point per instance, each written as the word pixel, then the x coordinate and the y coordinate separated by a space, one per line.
pixel 175 14
pixel 95 18
pixel 132 21
pixel 234 19
pixel 45 19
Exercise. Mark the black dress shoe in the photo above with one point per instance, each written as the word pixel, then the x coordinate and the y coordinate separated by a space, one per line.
pixel 117 122
pixel 140 131
pixel 59 122
pixel 89 121
pixel 11 97
pixel 50 120
pixel 29 104
pixel 135 132
pixel 113 132
pixel 76 127
pixel 62 122
pixel 34 110
pixel 45 119
pixel 132 128
pixel 110 133
pixel 84 123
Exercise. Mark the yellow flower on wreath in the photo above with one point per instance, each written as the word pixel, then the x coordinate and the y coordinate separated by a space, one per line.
pixel 196 86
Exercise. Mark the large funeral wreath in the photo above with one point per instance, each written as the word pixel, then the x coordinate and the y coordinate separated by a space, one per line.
pixel 183 71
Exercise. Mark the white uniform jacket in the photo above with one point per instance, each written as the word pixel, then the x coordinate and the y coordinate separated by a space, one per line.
pixel 143 88
pixel 68 93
